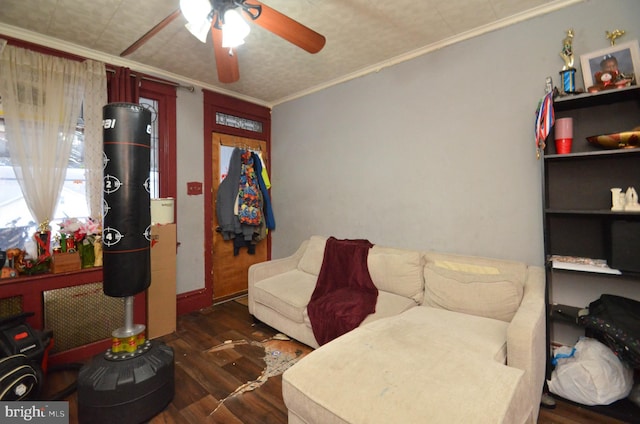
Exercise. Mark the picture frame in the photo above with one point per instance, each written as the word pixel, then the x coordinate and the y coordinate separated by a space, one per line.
pixel 626 54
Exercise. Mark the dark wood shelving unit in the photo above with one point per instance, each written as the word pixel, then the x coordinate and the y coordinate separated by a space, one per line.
pixel 578 220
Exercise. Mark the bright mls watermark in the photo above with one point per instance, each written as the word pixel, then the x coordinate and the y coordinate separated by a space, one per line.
pixel 34 412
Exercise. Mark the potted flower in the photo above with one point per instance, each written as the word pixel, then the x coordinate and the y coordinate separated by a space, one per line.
pixel 84 236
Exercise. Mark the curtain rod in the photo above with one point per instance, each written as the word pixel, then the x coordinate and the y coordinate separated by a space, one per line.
pixel 190 88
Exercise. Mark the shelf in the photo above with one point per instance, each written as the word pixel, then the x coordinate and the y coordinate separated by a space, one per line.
pixel 594 154
pixel 565 312
pixel 594 212
pixel 578 101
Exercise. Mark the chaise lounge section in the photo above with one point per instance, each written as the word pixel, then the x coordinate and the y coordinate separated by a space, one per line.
pixel 454 339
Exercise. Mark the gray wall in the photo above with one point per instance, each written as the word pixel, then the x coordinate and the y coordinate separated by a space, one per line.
pixel 190 209
pixel 436 152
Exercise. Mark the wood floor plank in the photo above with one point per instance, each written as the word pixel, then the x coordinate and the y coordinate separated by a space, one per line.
pixel 566 413
pixel 190 390
pixel 202 411
pixel 251 408
pixel 244 369
pixel 217 381
pixel 171 415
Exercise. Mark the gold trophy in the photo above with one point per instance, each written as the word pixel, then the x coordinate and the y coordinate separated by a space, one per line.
pixel 568 72
pixel 613 35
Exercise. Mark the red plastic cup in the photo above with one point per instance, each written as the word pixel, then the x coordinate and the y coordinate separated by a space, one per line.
pixel 563 135
pixel 563 145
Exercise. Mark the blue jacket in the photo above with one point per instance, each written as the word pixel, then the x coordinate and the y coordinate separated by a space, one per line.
pixel 266 208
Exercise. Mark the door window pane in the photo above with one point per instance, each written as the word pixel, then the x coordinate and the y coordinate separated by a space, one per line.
pixel 154 186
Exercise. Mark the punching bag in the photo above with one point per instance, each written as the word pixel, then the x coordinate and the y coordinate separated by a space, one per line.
pixel 126 206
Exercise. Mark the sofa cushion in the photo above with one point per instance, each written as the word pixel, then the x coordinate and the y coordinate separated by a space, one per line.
pixel 486 337
pixel 397 271
pixel 288 293
pixel 410 368
pixel 478 286
pixel 311 260
pixel 394 270
pixel 388 305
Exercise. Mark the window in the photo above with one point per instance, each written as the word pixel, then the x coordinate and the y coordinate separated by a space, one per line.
pixel 152 105
pixel 16 224
pixel 160 98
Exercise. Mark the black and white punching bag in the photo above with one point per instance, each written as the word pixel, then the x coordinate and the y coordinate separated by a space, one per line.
pixel 126 207
pixel 130 386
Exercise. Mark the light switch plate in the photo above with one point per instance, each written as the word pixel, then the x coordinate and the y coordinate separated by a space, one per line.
pixel 194 188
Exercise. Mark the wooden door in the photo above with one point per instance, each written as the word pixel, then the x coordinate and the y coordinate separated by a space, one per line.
pixel 230 271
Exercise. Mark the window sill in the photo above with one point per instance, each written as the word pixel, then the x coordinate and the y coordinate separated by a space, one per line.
pixel 71 278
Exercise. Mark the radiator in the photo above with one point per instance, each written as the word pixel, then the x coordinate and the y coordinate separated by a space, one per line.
pixel 81 315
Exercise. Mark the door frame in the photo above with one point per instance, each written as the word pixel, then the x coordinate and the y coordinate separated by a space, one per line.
pixel 220 103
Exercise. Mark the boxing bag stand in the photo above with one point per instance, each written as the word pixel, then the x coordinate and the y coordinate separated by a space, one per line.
pixel 134 379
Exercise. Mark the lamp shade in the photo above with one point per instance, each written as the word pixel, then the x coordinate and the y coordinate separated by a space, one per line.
pixel 234 29
pixel 195 11
pixel 199 30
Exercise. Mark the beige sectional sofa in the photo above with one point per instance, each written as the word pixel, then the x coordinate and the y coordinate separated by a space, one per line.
pixel 454 339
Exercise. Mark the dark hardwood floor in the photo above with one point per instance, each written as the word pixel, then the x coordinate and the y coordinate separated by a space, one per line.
pixel 566 413
pixel 203 379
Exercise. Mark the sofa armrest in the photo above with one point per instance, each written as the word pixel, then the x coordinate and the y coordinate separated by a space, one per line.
pixel 526 336
pixel 263 270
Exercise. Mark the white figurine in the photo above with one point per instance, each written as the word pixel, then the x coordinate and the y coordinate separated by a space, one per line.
pixel 617 199
pixel 631 200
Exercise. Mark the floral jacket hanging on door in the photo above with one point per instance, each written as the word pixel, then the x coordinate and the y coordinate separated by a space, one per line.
pixel 249 196
pixel 243 206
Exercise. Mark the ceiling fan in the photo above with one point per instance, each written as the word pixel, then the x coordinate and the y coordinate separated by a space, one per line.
pixel 228 29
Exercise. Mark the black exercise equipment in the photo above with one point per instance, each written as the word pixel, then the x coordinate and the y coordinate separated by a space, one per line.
pixel 134 380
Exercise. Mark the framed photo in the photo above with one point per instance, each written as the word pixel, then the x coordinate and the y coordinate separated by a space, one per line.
pixel 621 59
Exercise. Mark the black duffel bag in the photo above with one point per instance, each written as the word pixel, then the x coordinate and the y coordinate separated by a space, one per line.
pixel 23 358
pixel 19 379
pixel 615 321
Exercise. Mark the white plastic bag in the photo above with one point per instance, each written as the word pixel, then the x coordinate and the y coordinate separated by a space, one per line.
pixel 590 374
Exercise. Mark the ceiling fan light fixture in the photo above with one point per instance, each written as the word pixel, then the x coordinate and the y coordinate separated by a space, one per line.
pixel 198 15
pixel 195 10
pixel 199 30
pixel 234 29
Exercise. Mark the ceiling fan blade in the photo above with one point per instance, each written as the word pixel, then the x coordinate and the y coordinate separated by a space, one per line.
pixel 153 31
pixel 289 29
pixel 226 63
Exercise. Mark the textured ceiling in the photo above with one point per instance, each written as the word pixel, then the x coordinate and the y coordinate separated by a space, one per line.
pixel 362 35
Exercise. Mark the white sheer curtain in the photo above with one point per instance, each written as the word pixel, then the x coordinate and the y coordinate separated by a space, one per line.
pixel 95 97
pixel 42 96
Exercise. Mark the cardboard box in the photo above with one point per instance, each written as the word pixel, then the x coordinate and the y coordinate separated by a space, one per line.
pixel 65 262
pixel 161 294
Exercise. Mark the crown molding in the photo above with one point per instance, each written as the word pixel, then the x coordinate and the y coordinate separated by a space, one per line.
pixel 476 32
pixel 65 46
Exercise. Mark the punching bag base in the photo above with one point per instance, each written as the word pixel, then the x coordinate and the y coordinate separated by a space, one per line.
pixel 128 391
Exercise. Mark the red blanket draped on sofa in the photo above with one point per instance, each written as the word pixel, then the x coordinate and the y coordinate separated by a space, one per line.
pixel 344 293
